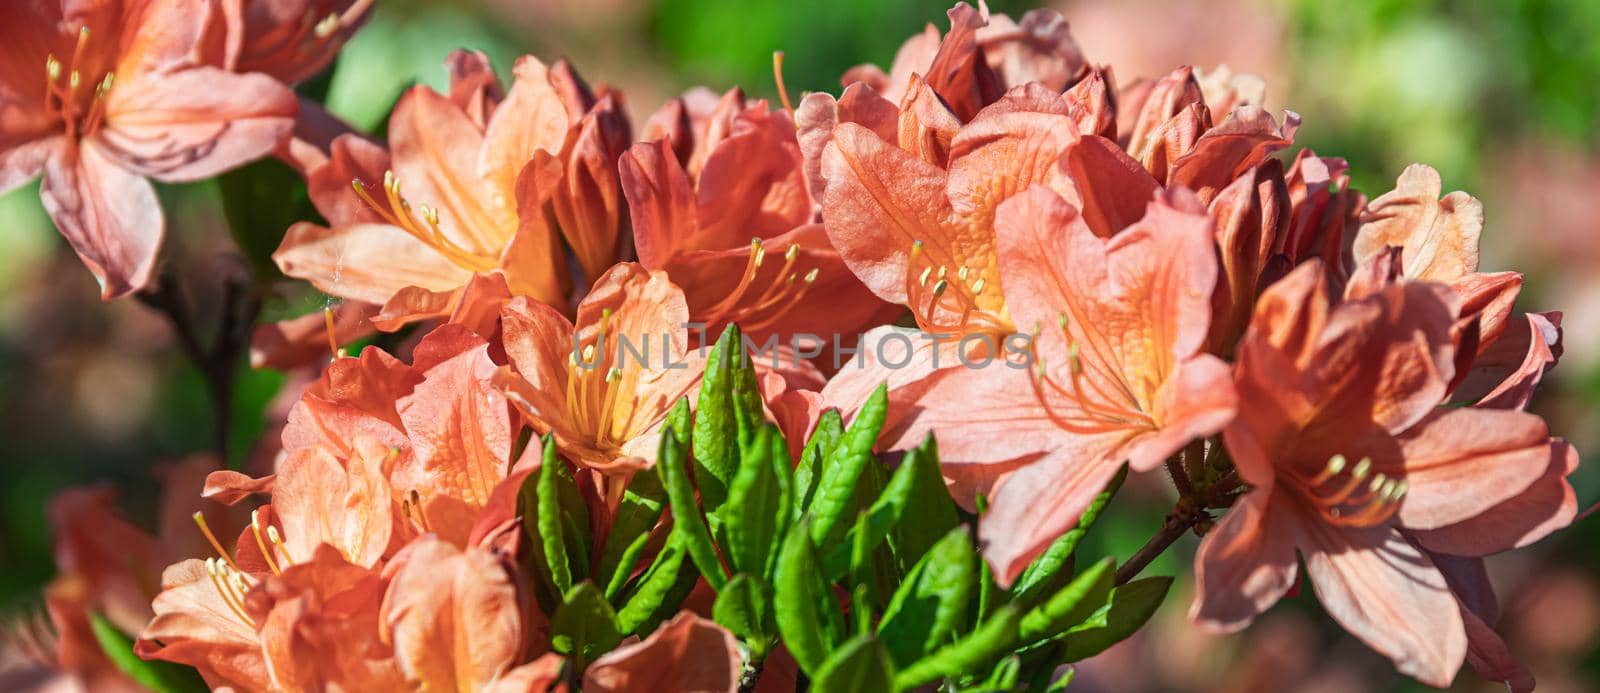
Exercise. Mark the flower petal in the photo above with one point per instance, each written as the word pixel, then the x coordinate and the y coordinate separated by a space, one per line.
pixel 1389 594
pixel 108 213
pixel 1246 563
pixel 687 653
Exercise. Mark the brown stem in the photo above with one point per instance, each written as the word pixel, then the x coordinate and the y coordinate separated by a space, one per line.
pixel 1177 522
pixel 218 361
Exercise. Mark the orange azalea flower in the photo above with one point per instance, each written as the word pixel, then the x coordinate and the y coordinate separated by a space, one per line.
pixel 1357 468
pixel 717 200
pixel 1121 375
pixel 602 385
pixel 99 97
pixel 1436 239
pixel 464 191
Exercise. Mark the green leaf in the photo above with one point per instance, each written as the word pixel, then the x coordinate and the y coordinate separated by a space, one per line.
pixel 783 476
pixel 261 200
pixel 843 470
pixel 156 675
pixel 659 591
pixel 902 508
pixel 1002 678
pixel 826 436
pixel 807 612
pixel 716 431
pixel 562 520
pixel 687 522
pixel 1131 605
pixel 680 420
pixel 536 560
pixel 750 517
pixel 926 510
pixel 744 607
pixel 860 665
pixel 642 503
pixel 930 608
pixel 584 626
pixel 983 645
pixel 1052 568
pixel 1072 605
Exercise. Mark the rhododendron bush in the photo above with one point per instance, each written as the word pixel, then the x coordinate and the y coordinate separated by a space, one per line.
pixel 730 394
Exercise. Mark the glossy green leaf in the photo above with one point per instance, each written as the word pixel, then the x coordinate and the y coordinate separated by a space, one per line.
pixel 1131 605
pixel 807 612
pixel 750 517
pixel 687 522
pixel 926 511
pixel 156 675
pixel 1071 605
pixel 562 520
pixel 660 591
pixel 642 503
pixel 1053 567
pixel 716 431
pixel 837 490
pixel 991 640
pixel 930 607
pixel 584 626
pixel 860 665
pixel 744 607
pixel 824 438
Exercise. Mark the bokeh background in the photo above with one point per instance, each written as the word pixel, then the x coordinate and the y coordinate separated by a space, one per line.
pixel 1501 97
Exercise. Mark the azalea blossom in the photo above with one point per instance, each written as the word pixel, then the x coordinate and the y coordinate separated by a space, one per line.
pixel 601 385
pixel 462 191
pixel 1359 470
pixel 720 201
pixel 100 97
pixel 1118 375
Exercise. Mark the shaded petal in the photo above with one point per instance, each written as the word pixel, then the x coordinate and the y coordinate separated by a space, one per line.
pixel 687 653
pixel 1040 49
pixel 1544 506
pixel 23 159
pixel 108 213
pixel 752 184
pixel 1460 462
pixel 1505 373
pixel 321 499
pixel 1241 142
pixel 661 202
pixel 1389 594
pixel 195 123
pixel 1111 188
pixel 1246 563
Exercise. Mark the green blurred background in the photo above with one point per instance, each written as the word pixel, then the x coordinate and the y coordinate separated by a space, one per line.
pixel 1501 97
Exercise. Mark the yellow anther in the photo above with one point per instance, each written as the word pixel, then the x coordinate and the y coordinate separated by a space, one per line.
pixel 922 279
pixel 52 67
pixel 1362 467
pixel 73 79
pixel 977 286
pixel 792 253
pixel 327 26
pixel 940 286
pixel 962 273
pixel 812 275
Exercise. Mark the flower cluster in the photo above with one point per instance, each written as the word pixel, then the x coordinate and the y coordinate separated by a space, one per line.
pixel 1057 276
